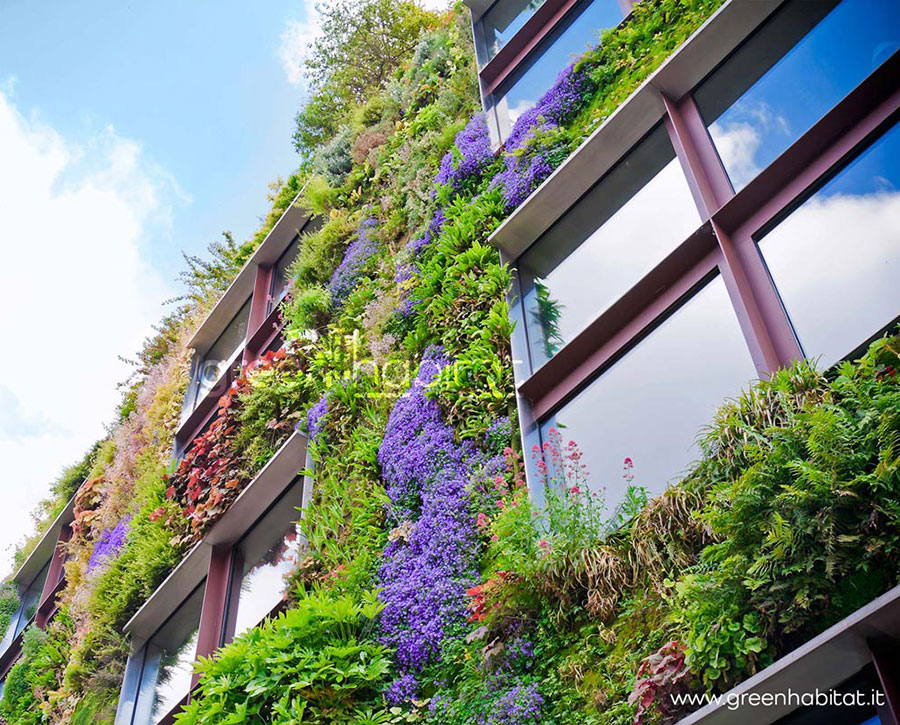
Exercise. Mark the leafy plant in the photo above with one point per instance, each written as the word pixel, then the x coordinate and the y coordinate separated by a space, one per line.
pixel 316 663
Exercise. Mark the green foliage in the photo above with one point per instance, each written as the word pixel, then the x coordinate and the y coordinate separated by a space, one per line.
pixel 315 663
pixel 362 44
pixel 321 251
pixel 33 678
pixel 9 603
pixel 269 407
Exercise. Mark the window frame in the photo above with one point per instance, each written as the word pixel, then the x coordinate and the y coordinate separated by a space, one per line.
pixel 725 240
pixel 209 566
pixel 520 51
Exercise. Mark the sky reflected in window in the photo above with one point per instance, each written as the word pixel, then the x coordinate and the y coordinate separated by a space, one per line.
pixel 836 258
pixel 553 55
pixel 502 22
pixel 623 227
pixel 262 586
pixel 651 405
pixel 781 81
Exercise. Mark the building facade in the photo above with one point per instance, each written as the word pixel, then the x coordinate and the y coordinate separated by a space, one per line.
pixel 738 212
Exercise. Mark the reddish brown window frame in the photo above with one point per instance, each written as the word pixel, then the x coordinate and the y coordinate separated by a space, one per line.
pixel 725 243
pixel 518 50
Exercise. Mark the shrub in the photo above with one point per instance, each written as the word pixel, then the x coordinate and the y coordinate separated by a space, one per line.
pixel 316 663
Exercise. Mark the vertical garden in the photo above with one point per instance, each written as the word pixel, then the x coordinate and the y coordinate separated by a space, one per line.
pixel 431 589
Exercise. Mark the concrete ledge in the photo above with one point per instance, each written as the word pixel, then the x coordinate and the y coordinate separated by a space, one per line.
pixel 256 498
pixel 824 662
pixel 632 120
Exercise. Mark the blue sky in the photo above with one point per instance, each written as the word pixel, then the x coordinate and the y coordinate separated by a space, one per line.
pixel 128 133
pixel 200 85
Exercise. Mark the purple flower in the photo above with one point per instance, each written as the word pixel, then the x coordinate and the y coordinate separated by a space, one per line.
pixel 431 233
pixel 401 690
pixel 428 566
pixel 568 94
pixel 358 254
pixel 470 154
pixel 405 273
pixel 109 543
pixel 521 176
pixel 521 705
pixel 524 169
pixel 315 417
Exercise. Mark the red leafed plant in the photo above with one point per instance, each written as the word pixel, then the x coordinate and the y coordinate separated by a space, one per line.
pixel 483 597
pixel 213 472
pixel 87 503
pixel 660 676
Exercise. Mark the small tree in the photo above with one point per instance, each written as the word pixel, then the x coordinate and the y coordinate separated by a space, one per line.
pixel 361 44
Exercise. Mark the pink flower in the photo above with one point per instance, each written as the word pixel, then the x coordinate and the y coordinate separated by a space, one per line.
pixel 501 504
pixel 482 521
pixel 575 490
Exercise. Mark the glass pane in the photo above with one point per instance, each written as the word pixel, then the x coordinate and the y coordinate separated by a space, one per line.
pixel 217 359
pixel 539 72
pixel 280 276
pixel 836 258
pixel 789 74
pixel 168 664
pixel 270 552
pixel 653 402
pixel 502 22
pixel 30 599
pixel 607 242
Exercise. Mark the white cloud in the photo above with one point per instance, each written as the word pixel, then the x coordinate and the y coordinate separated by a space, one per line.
pixel 295 41
pixel 76 291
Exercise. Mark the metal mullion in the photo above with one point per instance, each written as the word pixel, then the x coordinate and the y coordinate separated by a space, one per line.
pixel 763 320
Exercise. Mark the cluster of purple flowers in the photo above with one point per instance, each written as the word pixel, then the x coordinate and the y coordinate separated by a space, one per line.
pixel 431 233
pixel 406 272
pixel 524 170
pixel 360 251
pixel 109 544
pixel 521 705
pixel 315 417
pixel 470 154
pixel 425 571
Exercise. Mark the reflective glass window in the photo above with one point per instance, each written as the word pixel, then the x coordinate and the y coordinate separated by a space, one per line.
pixel 650 405
pixel 847 710
pixel 168 662
pixel 501 22
pixel 29 600
pixel 566 44
pixel 268 554
pixel 836 258
pixel 280 275
pixel 789 74
pixel 222 352
pixel 619 231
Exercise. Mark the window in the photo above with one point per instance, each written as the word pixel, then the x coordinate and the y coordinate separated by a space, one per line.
pixel 29 600
pixel 280 276
pixel 222 352
pixel 501 22
pixel 168 663
pixel 628 223
pixel 649 405
pixel 789 74
pixel 848 711
pixel 836 258
pixel 266 555
pixel 570 41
